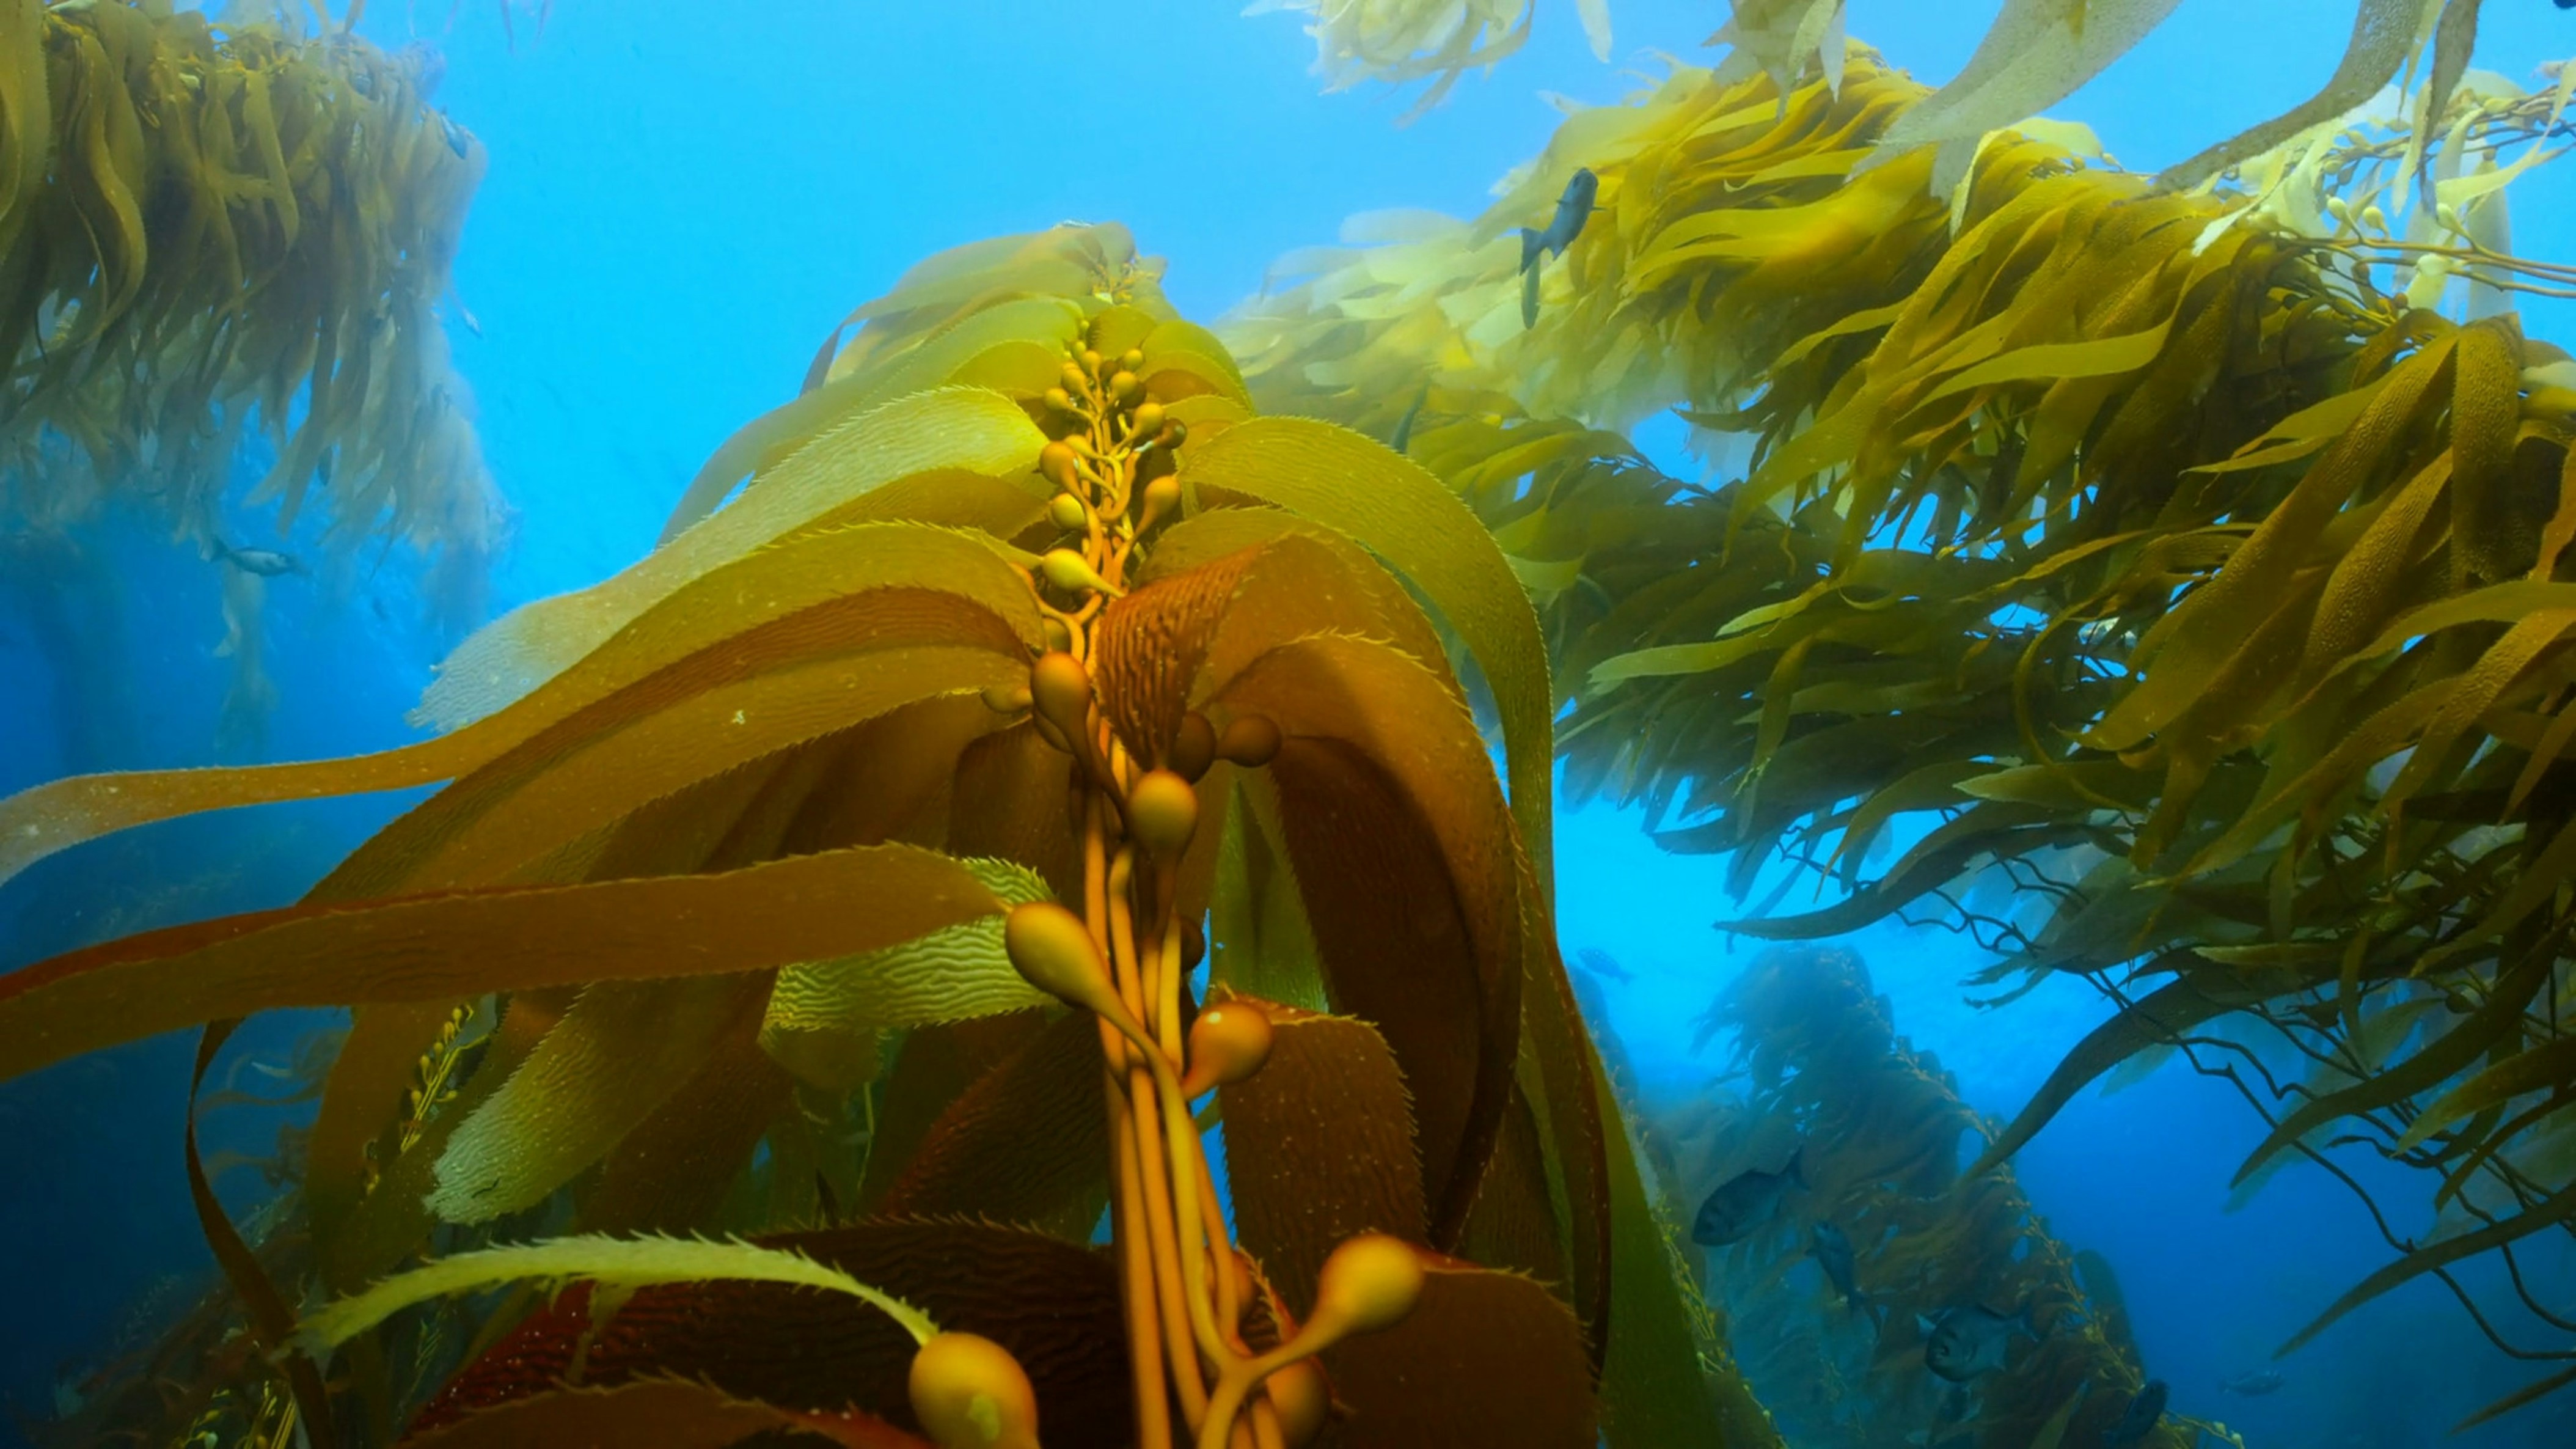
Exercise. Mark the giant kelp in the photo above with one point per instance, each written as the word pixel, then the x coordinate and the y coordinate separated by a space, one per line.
pixel 2167 549
pixel 209 234
pixel 1878 1125
pixel 774 860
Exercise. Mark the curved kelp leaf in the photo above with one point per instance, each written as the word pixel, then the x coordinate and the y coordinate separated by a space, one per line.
pixel 452 946
pixel 970 428
pixel 1403 515
pixel 773 585
pixel 623 1263
pixel 1503 1334
pixel 1027 1143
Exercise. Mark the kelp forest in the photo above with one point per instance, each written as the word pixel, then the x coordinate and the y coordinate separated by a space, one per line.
pixel 1030 915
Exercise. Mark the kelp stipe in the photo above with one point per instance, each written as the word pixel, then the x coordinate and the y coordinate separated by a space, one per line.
pixel 1026 650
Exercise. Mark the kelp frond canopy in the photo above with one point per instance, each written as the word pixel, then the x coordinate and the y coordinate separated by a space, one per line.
pixel 2165 550
pixel 774 863
pixel 208 234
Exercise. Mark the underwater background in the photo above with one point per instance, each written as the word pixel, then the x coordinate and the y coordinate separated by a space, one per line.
pixel 681 198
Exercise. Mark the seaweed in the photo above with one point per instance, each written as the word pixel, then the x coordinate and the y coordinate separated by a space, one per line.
pixel 2165 555
pixel 1025 659
pixel 209 235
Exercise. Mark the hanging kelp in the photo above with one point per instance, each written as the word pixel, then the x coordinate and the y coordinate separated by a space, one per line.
pixel 2169 551
pixel 212 235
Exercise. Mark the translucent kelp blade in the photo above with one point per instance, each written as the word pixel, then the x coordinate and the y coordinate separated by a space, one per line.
pixel 2037 53
pixel 2386 34
pixel 2156 1018
pixel 514 811
pixel 1259 940
pixel 621 1263
pixel 801 574
pixel 821 1013
pixel 1306 578
pixel 454 946
pixel 1505 1340
pixel 1053 1304
pixel 1405 516
pixel 971 428
pixel 1434 963
pixel 1318 1146
pixel 1514 1223
pixel 612 1059
pixel 662 1413
pixel 1046 324
pixel 1027 1143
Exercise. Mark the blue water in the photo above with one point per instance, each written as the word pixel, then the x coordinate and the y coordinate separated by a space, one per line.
pixel 683 198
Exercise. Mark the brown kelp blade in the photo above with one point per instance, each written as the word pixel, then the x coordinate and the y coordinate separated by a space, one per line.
pixel 653 1414
pixel 454 946
pixel 1319 1147
pixel 1511 1353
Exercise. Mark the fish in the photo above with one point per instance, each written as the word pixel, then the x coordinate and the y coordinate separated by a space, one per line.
pixel 1832 1250
pixel 1599 963
pixel 456 137
pixel 1745 1202
pixel 2145 1412
pixel 1573 209
pixel 1968 1342
pixel 2256 1382
pixel 268 563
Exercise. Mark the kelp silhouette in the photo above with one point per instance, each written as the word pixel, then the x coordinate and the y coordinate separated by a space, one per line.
pixel 1881 1126
pixel 2165 548
pixel 1020 604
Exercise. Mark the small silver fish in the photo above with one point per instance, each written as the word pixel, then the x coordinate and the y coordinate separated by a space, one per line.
pixel 268 563
pixel 456 135
pixel 1600 963
pixel 2145 1412
pixel 1573 209
pixel 1745 1202
pixel 1969 1342
pixel 2254 1382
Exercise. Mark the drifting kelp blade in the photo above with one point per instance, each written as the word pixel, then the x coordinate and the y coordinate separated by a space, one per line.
pixel 462 944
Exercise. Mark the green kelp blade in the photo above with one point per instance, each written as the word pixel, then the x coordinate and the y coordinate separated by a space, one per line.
pixel 461 944
pixel 957 427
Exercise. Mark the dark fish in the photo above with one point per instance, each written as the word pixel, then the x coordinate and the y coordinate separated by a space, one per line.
pixel 1744 1202
pixel 2257 1382
pixel 1403 439
pixel 1832 1250
pixel 1573 209
pixel 2145 1412
pixel 268 563
pixel 1599 963
pixel 1967 1343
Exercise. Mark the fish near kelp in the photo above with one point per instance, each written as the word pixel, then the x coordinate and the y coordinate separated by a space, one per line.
pixel 1573 209
pixel 1971 1341
pixel 2254 1383
pixel 2146 1410
pixel 1736 1208
pixel 1831 1247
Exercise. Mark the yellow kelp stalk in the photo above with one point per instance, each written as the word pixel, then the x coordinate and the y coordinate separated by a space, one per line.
pixel 2170 540
pixel 207 233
